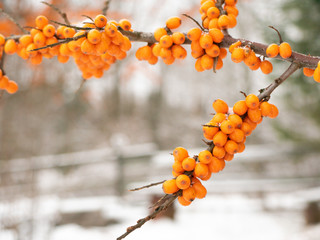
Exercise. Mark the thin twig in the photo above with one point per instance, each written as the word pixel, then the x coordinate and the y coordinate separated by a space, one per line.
pixel 266 92
pixel 62 14
pixel 279 35
pixel 66 40
pixel 7 15
pixel 71 26
pixel 167 201
pixel 106 7
pixel 147 186
pixel 199 25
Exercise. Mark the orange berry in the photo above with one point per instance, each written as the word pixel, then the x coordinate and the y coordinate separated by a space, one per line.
pixel 209 132
pixel 285 50
pixel 12 87
pixel 246 128
pixel 218 117
pixel 4 81
pixel 37 59
pixel 252 124
pixel 183 181
pixel 194 34
pixel 316 75
pixel 227 127
pixel 166 41
pixel 235 45
pixel 10 47
pixel 230 2
pixel 1 74
pixel 205 6
pixel 2 40
pixel 177 167
pixel 206 62
pixel 189 194
pixel 170 186
pixel 39 39
pixel 25 40
pixel 220 106
pixel 228 156
pixel 178 52
pixel 223 22
pixel 223 53
pixel 274 111
pixel 231 147
pixel 87 47
pixel 272 50
pixel 183 201
pixel 254 114
pixel 218 152
pixel 241 147
pixel 200 190
pixel 201 170
pixel 266 67
pixel 125 24
pixel 232 21
pixel 265 108
pixel 41 21
pixel 213 12
pixel 173 22
pixel 236 119
pixel 308 72
pixel 237 135
pixel 220 139
pixel 205 156
pixel 216 35
pixel 159 32
pixel 49 30
pixel 111 29
pixel 94 36
pixel 188 164
pixel 213 51
pixel 240 107
pixel 180 153
pixel 205 41
pixel 63 58
pixel 100 21
pixel 213 23
pixel 144 53
pixel 237 55
pixel 69 32
pixel 216 165
pixel 60 32
pixel 231 10
pixel 178 38
pixel 198 65
pixel 252 101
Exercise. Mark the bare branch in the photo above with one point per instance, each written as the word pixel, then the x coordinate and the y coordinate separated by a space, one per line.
pixel 147 186
pixel 7 15
pixel 167 200
pixel 266 92
pixel 106 7
pixel 62 14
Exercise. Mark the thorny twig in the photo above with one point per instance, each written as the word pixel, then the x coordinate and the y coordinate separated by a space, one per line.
pixel 62 14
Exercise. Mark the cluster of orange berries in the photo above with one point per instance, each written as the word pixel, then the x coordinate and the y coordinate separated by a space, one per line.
pixel 222 18
pixel 227 130
pixel 94 49
pixel 6 84
pixel 168 46
pixel 205 44
pixel 248 56
pixel 315 73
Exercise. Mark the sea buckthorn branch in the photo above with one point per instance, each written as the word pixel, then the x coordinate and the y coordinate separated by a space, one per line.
pixel 106 7
pixel 147 186
pixel 161 206
pixel 58 10
pixel 266 92
pixel 12 19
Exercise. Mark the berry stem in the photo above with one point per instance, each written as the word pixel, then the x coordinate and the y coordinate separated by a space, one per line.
pixel 266 92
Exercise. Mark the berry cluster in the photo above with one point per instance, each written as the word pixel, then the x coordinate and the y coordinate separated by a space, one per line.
pixel 94 48
pixel 205 44
pixel 6 84
pixel 168 46
pixel 227 132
